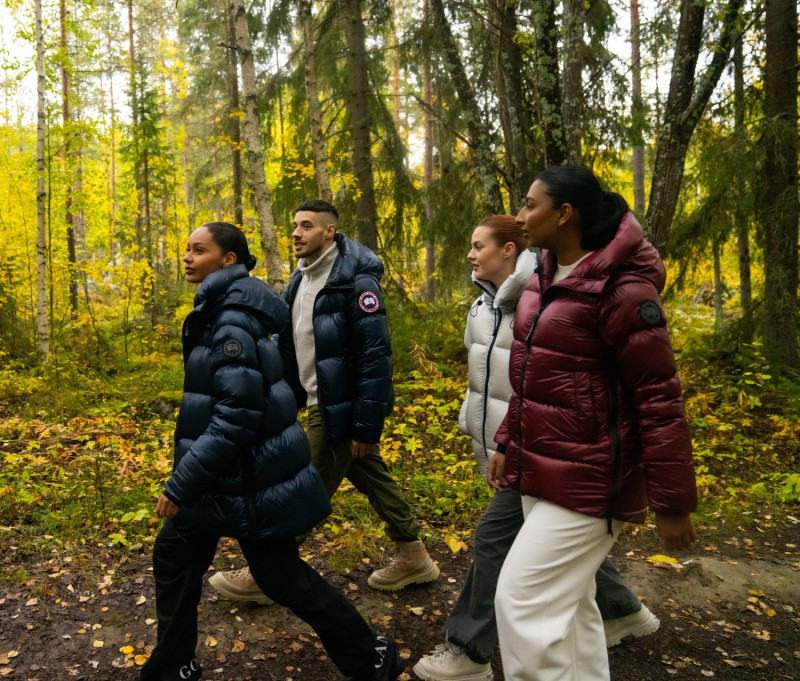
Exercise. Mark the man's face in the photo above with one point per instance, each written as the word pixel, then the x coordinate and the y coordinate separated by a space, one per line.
pixel 313 234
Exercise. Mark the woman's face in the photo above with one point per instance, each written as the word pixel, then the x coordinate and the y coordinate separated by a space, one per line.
pixel 204 256
pixel 489 260
pixel 540 219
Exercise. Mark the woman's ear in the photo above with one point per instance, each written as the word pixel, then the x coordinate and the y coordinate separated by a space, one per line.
pixel 565 213
pixel 509 249
pixel 229 259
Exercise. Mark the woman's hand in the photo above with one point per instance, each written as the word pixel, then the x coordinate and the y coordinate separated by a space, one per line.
pixel 360 449
pixel 676 531
pixel 495 471
pixel 166 508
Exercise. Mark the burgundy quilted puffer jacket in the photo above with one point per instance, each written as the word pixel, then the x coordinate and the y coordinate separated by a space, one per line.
pixel 596 423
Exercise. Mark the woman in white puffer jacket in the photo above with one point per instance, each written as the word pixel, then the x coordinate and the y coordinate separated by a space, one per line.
pixel 501 272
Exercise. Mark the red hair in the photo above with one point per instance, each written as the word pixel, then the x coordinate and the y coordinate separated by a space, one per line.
pixel 504 228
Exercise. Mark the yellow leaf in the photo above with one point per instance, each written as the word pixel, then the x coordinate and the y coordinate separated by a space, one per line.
pixel 417 610
pixel 12 653
pixel 140 659
pixel 98 644
pixel 127 650
pixel 141 600
pixel 658 558
pixel 756 592
pixel 210 641
pixel 238 646
pixel 454 543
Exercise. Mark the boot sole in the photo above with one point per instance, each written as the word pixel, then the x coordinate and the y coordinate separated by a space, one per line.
pixel 429 575
pixel 221 587
pixel 426 676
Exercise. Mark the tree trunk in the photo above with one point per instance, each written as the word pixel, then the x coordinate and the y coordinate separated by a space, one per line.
pixel 548 82
pixel 572 102
pixel 42 326
pixel 234 130
pixel 480 145
pixel 255 156
pixel 358 104
pixel 718 311
pixel 427 177
pixel 69 218
pixel 637 112
pixel 740 215
pixel 314 109
pixel 780 142
pixel 512 102
pixel 687 99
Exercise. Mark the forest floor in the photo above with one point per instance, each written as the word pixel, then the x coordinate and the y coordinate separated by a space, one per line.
pixel 729 610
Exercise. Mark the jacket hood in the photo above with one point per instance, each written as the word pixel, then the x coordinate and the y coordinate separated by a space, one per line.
pixel 355 260
pixel 628 251
pixel 507 296
pixel 233 287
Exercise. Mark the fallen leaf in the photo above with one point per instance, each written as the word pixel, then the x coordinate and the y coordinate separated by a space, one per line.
pixel 32 602
pixel 140 659
pixel 98 644
pixel 659 558
pixel 141 600
pixel 210 641
pixel 417 610
pixel 238 646
pixel 128 650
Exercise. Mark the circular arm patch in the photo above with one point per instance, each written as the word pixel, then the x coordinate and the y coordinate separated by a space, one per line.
pixel 650 312
pixel 369 302
pixel 232 348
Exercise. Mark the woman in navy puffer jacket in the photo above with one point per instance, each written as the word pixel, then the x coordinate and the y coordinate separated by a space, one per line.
pixel 243 469
pixel 595 430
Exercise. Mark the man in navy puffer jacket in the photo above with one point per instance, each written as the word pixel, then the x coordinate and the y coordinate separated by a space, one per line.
pixel 337 355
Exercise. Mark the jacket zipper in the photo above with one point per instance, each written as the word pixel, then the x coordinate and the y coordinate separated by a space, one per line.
pixel 498 318
pixel 616 456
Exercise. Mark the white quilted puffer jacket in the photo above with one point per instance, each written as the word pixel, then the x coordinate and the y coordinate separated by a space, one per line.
pixel 488 336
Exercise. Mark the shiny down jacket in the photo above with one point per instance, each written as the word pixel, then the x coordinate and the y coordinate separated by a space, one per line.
pixel 353 353
pixel 596 423
pixel 488 335
pixel 242 461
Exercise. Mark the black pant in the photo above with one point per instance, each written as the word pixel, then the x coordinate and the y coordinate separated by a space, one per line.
pixel 181 556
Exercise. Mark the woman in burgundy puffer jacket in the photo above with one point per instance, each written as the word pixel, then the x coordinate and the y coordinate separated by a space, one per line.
pixel 595 431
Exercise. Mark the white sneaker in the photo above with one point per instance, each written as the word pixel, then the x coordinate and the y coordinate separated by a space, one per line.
pixel 449 662
pixel 637 624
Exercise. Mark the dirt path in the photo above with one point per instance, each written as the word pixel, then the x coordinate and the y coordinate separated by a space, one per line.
pixel 732 611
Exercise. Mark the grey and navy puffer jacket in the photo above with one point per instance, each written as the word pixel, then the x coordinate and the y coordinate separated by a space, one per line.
pixel 242 461
pixel 596 423
pixel 488 335
pixel 353 353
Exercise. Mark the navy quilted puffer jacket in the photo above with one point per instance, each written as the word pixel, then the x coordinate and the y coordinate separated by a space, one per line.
pixel 242 461
pixel 352 346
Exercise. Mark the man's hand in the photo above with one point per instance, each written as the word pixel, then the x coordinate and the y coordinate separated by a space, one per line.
pixel 360 449
pixel 166 508
pixel 495 471
pixel 676 531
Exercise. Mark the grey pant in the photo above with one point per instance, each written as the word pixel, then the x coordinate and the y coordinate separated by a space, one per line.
pixel 472 623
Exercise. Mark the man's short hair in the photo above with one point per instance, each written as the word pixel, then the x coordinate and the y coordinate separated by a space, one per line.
pixel 318 206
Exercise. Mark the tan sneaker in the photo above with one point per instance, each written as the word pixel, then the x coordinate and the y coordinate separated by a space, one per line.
pixel 449 662
pixel 238 585
pixel 411 565
pixel 641 623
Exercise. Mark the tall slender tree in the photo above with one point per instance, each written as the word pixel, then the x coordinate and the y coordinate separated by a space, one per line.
pixel 42 325
pixel 780 170
pixel 637 111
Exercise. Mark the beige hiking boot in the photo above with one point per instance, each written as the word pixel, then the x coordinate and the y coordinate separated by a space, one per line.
pixel 411 565
pixel 238 585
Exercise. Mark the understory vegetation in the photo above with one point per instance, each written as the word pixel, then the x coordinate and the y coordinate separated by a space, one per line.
pixel 86 446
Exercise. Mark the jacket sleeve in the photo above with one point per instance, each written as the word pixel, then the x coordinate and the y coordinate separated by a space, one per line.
pixel 634 327
pixel 236 417
pixel 372 360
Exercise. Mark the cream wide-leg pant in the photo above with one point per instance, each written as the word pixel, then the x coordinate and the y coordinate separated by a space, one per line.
pixel 549 625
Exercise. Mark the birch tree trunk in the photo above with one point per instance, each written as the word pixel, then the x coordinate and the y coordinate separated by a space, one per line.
pixel 572 102
pixel 780 174
pixel 548 82
pixel 687 99
pixel 637 111
pixel 314 109
pixel 358 105
pixel 234 130
pixel 480 145
pixel 42 325
pixel 69 217
pixel 427 177
pixel 255 157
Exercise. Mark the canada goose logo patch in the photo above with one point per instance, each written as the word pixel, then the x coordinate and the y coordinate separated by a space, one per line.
pixel 232 348
pixel 368 301
pixel 650 312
